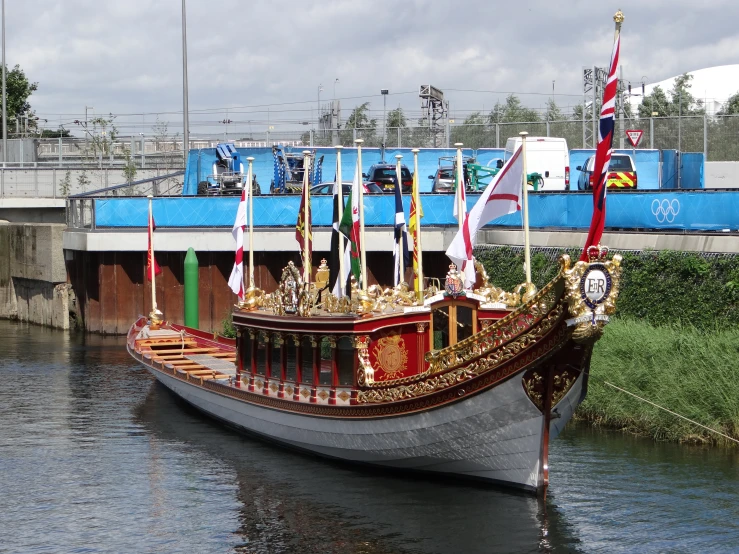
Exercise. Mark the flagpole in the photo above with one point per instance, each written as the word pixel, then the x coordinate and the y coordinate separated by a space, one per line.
pixel 306 219
pixel 341 214
pixel 417 216
pixel 155 317
pixel 401 277
pixel 527 246
pixel 250 200
pixel 363 248
pixel 460 186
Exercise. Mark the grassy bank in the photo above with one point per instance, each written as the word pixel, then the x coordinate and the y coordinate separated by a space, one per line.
pixel 692 372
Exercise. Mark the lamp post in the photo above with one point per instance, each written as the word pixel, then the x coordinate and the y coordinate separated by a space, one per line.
pixel 185 111
pixel 384 93
pixel 5 111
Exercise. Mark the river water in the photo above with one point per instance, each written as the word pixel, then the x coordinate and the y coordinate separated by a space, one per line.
pixel 95 456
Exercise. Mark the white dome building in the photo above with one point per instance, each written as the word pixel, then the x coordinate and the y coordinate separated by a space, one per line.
pixel 713 85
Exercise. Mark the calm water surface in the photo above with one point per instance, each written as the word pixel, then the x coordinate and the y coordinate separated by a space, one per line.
pixel 96 457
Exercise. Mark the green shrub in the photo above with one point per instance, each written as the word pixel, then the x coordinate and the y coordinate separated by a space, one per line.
pixel 662 287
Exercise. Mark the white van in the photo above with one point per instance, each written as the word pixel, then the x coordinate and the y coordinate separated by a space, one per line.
pixel 548 156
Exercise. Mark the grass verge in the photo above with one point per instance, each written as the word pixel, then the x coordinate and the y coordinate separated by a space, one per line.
pixel 692 372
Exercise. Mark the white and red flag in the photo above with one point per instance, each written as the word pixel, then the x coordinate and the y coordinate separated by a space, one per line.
pixel 236 280
pixel 150 258
pixel 501 197
pixel 603 153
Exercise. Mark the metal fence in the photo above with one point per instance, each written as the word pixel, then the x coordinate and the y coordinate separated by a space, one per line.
pixel 47 182
pixel 716 136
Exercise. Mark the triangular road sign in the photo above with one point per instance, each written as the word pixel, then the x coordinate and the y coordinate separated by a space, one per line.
pixel 634 136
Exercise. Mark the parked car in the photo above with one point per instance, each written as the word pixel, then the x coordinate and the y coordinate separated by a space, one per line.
pixel 346 188
pixel 383 175
pixel 443 180
pixel 621 173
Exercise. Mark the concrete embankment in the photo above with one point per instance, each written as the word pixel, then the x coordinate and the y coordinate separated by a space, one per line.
pixel 33 277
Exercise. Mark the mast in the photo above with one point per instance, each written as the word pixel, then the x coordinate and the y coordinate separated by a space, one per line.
pixel 156 316
pixel 526 242
pixel 306 218
pixel 401 277
pixel 417 223
pixel 250 199
pixel 341 214
pixel 459 197
pixel 363 248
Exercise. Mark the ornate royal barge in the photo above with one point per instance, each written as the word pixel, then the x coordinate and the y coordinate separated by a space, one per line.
pixel 469 383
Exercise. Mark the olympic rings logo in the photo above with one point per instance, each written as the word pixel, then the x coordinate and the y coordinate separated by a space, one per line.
pixel 665 210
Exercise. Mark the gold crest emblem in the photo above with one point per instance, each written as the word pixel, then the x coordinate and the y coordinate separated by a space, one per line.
pixel 391 355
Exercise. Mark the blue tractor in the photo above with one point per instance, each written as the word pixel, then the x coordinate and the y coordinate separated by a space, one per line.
pixel 228 176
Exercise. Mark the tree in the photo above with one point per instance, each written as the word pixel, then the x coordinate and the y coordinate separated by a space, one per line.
pixel 680 102
pixel 18 88
pixel 359 118
pixel 512 112
pixel 396 118
pixel 553 112
pixel 366 128
pixel 59 133
pixel 731 107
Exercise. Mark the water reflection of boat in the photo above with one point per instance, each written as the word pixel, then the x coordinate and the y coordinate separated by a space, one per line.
pixel 318 506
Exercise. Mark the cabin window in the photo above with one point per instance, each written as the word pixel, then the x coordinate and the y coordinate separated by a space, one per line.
pixel 345 361
pixel 307 359
pixel 441 327
pixel 261 353
pixel 326 360
pixel 277 346
pixel 452 323
pixel 464 322
pixel 291 347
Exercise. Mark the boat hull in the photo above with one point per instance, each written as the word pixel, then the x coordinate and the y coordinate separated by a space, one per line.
pixel 493 436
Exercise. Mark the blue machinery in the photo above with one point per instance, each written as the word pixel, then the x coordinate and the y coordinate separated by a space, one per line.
pixel 288 171
pixel 228 176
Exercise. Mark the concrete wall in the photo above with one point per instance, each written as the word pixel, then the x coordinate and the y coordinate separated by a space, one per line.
pixel 33 278
pixel 722 175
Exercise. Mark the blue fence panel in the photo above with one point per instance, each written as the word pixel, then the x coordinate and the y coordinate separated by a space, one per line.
pixel 669 169
pixel 691 171
pixel 685 210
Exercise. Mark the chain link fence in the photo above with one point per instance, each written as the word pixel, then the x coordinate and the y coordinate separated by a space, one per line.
pixel 716 136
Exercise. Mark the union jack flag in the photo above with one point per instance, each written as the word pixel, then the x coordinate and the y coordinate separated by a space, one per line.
pixel 603 153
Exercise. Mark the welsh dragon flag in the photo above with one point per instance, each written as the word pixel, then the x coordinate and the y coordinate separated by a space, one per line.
pixel 349 226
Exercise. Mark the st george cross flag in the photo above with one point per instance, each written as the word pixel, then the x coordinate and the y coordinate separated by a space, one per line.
pixel 349 227
pixel 501 197
pixel 150 258
pixel 603 153
pixel 236 280
pixel 337 282
pixel 401 236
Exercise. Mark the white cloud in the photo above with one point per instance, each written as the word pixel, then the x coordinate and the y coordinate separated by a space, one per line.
pixel 125 57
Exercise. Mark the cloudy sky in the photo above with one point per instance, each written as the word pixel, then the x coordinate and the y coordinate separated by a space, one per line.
pixel 258 61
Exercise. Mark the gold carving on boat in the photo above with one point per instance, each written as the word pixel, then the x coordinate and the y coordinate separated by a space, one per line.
pixel 491 355
pixel 562 385
pixel 305 393
pixel 391 355
pixel 344 396
pixel 323 395
pixel 530 385
pixel 274 387
pixel 592 290
pixel 289 390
